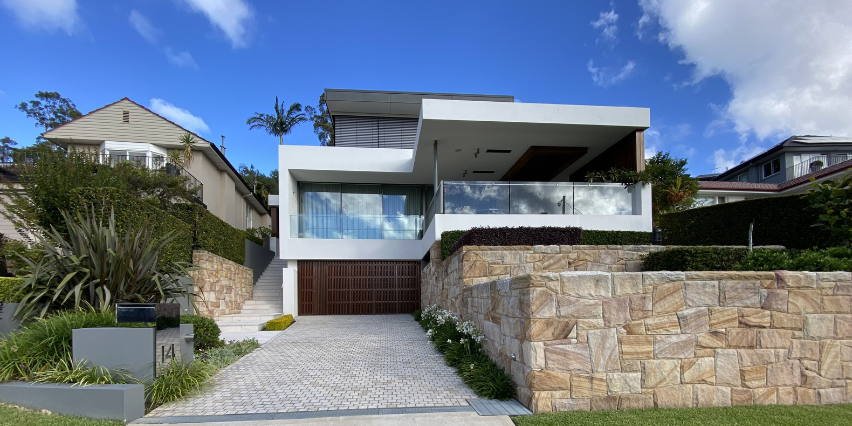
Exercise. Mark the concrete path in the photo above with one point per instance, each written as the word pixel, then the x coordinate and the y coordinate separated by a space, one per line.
pixel 333 363
pixel 437 419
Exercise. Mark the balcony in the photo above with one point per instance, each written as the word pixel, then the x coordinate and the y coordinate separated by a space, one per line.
pixel 364 227
pixel 815 164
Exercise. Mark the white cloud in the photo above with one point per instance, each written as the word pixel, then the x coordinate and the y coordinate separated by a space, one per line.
pixel 661 136
pixel 50 15
pixel 230 16
pixel 608 76
pixel 144 27
pixel 180 59
pixel 788 63
pixel 179 115
pixel 607 24
pixel 725 159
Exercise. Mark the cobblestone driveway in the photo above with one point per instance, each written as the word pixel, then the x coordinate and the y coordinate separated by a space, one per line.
pixel 333 363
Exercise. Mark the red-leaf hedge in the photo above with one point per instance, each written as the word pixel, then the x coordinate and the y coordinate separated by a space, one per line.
pixel 520 236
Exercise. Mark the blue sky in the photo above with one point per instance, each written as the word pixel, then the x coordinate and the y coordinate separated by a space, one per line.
pixel 722 80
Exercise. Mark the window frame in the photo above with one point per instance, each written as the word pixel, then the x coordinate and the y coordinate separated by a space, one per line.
pixel 771 167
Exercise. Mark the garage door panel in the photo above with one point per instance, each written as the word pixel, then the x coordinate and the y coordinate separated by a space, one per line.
pixel 358 287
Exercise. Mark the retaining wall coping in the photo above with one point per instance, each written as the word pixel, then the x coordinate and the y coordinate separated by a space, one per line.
pixel 120 402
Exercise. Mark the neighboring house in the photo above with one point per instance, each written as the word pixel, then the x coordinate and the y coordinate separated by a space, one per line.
pixel 357 220
pixel 784 169
pixel 127 131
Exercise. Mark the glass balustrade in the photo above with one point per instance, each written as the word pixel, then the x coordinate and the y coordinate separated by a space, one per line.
pixel 363 227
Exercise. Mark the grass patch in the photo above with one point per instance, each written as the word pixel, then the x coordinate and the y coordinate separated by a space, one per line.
pixel 12 415
pixel 776 415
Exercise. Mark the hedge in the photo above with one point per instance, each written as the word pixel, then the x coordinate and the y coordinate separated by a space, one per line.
pixel 694 259
pixel 279 323
pixel 784 221
pixel 211 233
pixel 9 289
pixel 130 211
pixel 539 236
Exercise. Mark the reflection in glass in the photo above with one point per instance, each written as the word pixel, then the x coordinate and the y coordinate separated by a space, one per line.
pixel 476 198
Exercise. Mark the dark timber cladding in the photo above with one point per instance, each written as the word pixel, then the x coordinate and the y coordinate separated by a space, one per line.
pixel 628 153
pixel 543 163
pixel 375 132
pixel 339 287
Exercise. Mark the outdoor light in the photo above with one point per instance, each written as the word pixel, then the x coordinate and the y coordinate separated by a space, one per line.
pixel 513 357
pixel 657 236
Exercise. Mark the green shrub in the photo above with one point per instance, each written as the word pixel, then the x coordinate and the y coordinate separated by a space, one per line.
pixel 230 353
pixel 134 213
pixel 279 323
pixel 43 343
pixel 10 289
pixel 418 315
pixel 179 380
pixel 206 331
pixel 615 238
pixel 212 234
pixel 448 240
pixel 80 373
pixel 486 378
pixel 784 221
pixel 832 259
pixel 694 259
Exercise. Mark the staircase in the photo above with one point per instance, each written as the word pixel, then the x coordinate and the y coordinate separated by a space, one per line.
pixel 266 303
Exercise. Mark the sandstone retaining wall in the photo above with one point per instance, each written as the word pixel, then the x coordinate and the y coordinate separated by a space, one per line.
pixel 621 340
pixel 221 286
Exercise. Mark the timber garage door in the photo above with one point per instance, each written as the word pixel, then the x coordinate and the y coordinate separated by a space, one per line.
pixel 332 287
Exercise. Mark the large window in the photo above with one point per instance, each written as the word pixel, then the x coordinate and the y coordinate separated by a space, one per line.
pixel 742 177
pixel 359 211
pixel 771 167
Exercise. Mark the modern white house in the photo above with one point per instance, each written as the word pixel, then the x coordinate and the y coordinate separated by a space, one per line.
pixel 356 220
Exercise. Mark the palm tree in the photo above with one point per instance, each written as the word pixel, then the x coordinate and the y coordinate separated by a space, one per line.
pixel 187 140
pixel 280 123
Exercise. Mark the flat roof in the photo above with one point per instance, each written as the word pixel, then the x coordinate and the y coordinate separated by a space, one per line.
pixel 392 103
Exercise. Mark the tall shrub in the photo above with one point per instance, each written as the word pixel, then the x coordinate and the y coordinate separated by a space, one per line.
pixel 211 233
pixel 832 200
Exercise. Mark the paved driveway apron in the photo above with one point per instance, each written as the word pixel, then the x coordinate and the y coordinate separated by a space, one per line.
pixel 333 363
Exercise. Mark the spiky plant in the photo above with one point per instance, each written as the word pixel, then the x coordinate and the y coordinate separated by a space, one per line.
pixel 281 122
pixel 96 266
pixel 187 141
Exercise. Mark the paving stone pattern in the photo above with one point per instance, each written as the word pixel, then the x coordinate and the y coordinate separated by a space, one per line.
pixel 333 363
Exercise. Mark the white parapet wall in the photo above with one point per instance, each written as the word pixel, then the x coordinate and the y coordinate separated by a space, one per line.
pixel 290 289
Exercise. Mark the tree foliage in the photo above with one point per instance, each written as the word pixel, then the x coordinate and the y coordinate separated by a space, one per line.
pixel 281 122
pixel 673 189
pixel 833 200
pixel 49 109
pixel 7 147
pixel 259 183
pixel 323 126
pixel 94 265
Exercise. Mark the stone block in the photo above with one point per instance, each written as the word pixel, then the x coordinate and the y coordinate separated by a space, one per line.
pixel 668 298
pixel 641 306
pixel 722 318
pixel 753 377
pixel 793 322
pixel 836 304
pixel 678 396
pixel 774 339
pixel 727 368
pixel 792 279
pixel 830 396
pixel 844 289
pixel 541 402
pixel 712 396
pixel 631 366
pixel 812 380
pixel 674 347
pixel 582 404
pixel 537 303
pixel 786 396
pixel 659 373
pixel 804 349
pixel 548 329
pixel 662 277
pixel 587 284
pixel 819 326
pixel 574 307
pixel 753 317
pixel 589 324
pixel 616 312
pixel 574 358
pixel 475 269
pixel 787 373
pixel 773 300
pixel 604 350
pixel 843 326
pixel 606 403
pixel 699 370
pixel 636 401
pixel 830 366
pixel 695 320
pixel 711 340
pixel 634 327
pixel 765 396
pixel 663 324
pixel 804 302
pixel 533 354
pixel 701 293
pixel 588 386
pixel 805 396
pixel 623 383
pixel 742 338
pixel 742 396
pixel 547 380
pixel 636 347
pixel 626 283
pixel 743 294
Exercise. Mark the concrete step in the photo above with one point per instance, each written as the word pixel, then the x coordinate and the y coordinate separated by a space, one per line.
pixel 265 311
pixel 238 326
pixel 264 290
pixel 267 298
pixel 249 317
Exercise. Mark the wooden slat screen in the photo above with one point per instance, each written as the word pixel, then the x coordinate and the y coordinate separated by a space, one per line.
pixel 333 287
pixel 375 132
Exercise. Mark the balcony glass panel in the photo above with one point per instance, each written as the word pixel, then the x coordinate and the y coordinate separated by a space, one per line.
pixel 541 198
pixel 476 198
pixel 602 199
pixel 364 227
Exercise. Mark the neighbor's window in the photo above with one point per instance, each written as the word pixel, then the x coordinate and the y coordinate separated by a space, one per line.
pixel 742 177
pixel 721 200
pixel 248 215
pixel 772 167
